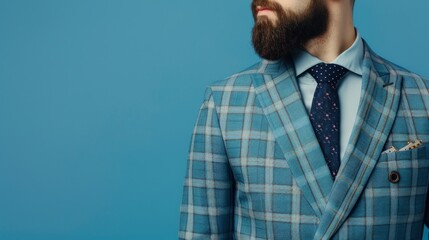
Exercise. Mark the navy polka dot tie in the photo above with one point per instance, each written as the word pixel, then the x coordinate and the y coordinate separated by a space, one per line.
pixel 325 111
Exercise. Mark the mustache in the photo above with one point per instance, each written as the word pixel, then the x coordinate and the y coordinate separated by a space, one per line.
pixel 276 7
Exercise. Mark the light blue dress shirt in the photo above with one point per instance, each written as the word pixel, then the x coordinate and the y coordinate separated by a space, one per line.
pixel 349 88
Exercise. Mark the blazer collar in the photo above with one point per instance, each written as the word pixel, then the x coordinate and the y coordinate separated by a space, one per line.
pixel 278 93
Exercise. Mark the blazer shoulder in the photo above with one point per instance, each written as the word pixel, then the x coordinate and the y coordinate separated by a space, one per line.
pixel 241 78
pixel 410 79
pixel 414 85
pixel 238 84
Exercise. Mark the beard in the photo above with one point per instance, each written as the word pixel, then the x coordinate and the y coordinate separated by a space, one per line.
pixel 274 40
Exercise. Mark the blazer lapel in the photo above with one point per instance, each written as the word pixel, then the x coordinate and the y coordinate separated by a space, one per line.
pixel 278 93
pixel 377 110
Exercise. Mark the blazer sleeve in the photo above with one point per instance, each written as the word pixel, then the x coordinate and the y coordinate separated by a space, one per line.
pixel 207 209
pixel 427 211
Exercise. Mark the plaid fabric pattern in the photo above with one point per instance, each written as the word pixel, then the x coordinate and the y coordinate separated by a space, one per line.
pixel 256 171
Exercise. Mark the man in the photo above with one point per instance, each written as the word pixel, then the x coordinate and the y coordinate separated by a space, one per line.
pixel 323 139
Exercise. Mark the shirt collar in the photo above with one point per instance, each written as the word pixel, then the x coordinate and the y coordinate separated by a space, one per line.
pixel 352 58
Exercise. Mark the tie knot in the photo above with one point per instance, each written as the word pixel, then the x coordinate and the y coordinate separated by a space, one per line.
pixel 327 72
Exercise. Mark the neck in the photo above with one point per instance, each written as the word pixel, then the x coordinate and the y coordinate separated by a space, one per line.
pixel 339 36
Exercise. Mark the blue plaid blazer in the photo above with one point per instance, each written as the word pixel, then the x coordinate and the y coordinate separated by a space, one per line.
pixel 256 171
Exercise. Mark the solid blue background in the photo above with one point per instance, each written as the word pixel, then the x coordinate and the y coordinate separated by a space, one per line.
pixel 98 100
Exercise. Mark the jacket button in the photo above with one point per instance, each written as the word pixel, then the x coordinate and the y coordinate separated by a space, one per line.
pixel 394 177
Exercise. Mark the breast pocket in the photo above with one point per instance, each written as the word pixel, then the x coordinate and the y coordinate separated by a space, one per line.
pixel 404 169
pixel 398 185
